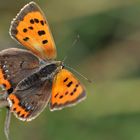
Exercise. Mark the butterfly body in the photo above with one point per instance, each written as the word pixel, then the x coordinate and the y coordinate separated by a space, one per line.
pixel 35 77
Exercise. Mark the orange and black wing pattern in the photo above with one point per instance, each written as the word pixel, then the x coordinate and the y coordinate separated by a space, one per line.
pixel 28 103
pixel 31 29
pixel 66 90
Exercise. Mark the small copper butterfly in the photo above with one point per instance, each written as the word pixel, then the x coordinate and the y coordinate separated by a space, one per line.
pixel 33 79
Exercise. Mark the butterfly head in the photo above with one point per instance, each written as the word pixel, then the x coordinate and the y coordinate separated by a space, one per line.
pixel 58 64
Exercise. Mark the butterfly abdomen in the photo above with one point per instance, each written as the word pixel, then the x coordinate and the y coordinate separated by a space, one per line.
pixel 29 82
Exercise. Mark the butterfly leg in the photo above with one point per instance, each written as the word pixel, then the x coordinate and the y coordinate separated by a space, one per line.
pixel 7 124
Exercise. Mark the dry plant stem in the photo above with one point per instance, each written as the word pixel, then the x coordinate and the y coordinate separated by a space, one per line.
pixel 7 124
pixel 4 103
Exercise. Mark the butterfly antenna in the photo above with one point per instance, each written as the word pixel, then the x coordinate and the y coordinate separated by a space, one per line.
pixel 64 59
pixel 76 40
pixel 79 74
pixel 73 44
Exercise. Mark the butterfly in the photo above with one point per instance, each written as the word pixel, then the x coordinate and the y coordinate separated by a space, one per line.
pixel 33 78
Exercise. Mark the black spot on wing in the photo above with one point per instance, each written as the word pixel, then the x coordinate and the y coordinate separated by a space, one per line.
pixel 31 28
pixel 44 41
pixel 77 85
pixel 42 22
pixel 22 116
pixel 65 79
pixel 56 95
pixel 10 90
pixel 36 20
pixel 42 32
pixel 32 21
pixel 66 93
pixel 26 38
pixel 25 30
pixel 61 97
pixel 69 84
pixel 71 93
pixel 75 90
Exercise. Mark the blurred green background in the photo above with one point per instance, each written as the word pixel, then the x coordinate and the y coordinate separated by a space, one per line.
pixel 108 52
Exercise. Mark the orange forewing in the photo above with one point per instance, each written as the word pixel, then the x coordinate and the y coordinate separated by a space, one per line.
pixel 66 90
pixel 31 29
